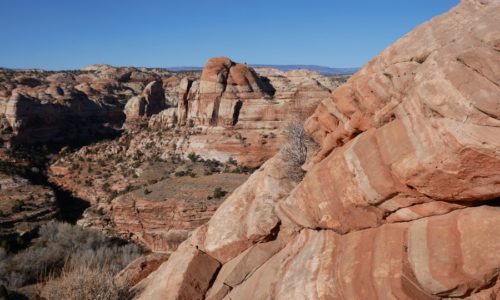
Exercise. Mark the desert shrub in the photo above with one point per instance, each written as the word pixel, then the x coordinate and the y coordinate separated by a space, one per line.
pixel 106 187
pixel 219 193
pixel 232 161
pixel 193 157
pixel 180 173
pixel 188 172
pixel 295 150
pixel 85 283
pixel 61 244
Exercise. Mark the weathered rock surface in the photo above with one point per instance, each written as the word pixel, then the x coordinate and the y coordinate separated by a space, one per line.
pixel 400 202
pixel 426 136
pixel 140 268
pixel 190 272
pixel 150 102
pixel 69 106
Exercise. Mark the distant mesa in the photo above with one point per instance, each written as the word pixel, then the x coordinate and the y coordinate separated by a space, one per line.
pixel 320 69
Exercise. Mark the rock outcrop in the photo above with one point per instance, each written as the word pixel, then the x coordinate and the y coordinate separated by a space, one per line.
pixel 225 86
pixel 242 113
pixel 40 107
pixel 401 200
pixel 150 102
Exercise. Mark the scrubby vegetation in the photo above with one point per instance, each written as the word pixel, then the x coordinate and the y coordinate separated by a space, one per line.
pixel 218 193
pixel 296 149
pixel 61 246
pixel 85 283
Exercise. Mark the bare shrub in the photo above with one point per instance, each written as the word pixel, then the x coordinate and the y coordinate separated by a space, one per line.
pixel 295 150
pixel 85 283
pixel 63 245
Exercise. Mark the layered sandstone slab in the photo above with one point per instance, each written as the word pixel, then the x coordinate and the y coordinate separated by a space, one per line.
pixel 418 124
pixel 189 273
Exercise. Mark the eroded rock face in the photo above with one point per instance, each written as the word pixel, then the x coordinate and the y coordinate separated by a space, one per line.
pixel 71 106
pixel 150 102
pixel 422 135
pixel 400 202
pixel 140 268
pixel 190 272
pixel 243 113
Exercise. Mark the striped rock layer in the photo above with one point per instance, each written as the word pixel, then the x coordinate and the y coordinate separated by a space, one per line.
pixel 401 200
pixel 243 113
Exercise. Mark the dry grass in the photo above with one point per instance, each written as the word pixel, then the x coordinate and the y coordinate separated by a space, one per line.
pixel 85 283
pixel 63 246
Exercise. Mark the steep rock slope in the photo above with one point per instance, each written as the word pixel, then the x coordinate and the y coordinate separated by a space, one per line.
pixel 400 202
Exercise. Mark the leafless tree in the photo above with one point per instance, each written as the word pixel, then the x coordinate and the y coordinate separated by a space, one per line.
pixel 295 150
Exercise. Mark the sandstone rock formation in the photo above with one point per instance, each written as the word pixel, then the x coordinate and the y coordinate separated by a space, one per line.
pixel 225 86
pixel 150 102
pixel 243 114
pixel 400 202
pixel 39 106
pixel 140 268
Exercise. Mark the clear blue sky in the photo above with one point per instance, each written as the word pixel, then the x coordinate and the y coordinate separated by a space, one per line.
pixel 69 34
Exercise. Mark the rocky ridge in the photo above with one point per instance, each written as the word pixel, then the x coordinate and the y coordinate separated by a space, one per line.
pixel 42 106
pixel 401 200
